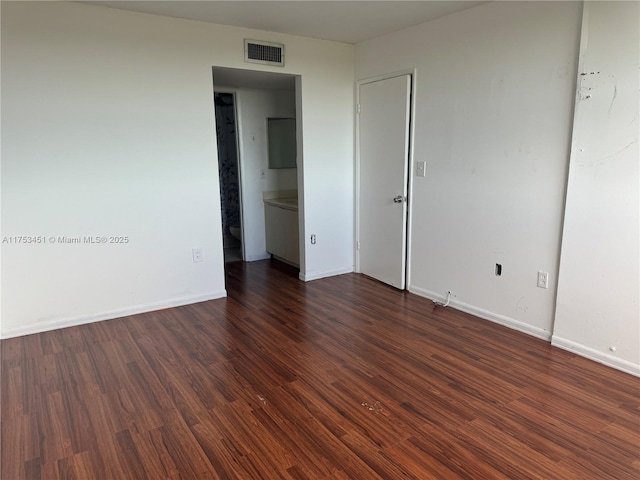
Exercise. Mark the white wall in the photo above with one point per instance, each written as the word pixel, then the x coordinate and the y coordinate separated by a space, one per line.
pixel 108 129
pixel 599 285
pixel 254 107
pixel 494 99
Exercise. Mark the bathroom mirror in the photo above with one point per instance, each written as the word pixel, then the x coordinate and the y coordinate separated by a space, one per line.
pixel 282 142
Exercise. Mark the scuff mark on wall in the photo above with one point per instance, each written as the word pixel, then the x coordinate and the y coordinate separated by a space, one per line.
pixel 521 305
pixel 600 161
pixel 615 154
pixel 613 100
pixel 587 84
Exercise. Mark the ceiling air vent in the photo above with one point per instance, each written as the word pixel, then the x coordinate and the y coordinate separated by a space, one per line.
pixel 268 53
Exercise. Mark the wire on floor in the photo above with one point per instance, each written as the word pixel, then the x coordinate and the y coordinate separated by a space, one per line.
pixel 446 304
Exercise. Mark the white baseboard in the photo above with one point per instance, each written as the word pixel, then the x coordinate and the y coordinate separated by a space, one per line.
pixel 596 355
pixel 260 256
pixel 329 273
pixel 485 314
pixel 284 260
pixel 56 323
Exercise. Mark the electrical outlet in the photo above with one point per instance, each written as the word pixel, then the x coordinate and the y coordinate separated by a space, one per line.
pixel 421 169
pixel 313 239
pixel 197 255
pixel 543 280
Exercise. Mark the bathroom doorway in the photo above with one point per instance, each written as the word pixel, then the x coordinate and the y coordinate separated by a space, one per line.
pixel 229 175
pixel 247 176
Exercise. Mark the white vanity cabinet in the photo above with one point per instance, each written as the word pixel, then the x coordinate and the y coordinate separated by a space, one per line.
pixel 281 225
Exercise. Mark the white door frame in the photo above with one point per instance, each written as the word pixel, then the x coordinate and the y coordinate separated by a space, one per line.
pixel 413 74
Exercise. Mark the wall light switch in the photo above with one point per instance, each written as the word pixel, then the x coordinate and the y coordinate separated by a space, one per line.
pixel 421 169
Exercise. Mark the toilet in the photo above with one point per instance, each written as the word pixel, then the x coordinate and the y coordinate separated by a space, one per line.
pixel 236 232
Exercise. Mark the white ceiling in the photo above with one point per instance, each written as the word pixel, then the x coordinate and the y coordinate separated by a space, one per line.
pixel 342 21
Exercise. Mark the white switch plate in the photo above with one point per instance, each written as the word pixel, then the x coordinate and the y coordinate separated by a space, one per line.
pixel 421 169
pixel 543 280
pixel 197 255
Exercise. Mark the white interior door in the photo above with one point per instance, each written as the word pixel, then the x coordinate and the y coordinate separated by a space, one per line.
pixel 384 152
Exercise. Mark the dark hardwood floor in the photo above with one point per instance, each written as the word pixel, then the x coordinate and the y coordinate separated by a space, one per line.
pixel 340 378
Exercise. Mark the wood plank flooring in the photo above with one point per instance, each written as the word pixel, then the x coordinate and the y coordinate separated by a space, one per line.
pixel 340 378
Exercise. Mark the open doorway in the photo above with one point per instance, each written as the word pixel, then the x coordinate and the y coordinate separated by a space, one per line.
pixel 252 184
pixel 229 175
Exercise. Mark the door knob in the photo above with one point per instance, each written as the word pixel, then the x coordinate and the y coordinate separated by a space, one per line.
pixel 398 199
